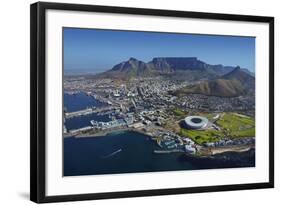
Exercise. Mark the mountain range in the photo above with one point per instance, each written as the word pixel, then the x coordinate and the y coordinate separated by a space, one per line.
pixel 190 68
pixel 218 80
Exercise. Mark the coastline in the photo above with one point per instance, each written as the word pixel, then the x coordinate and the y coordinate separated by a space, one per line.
pixel 220 150
pixel 203 151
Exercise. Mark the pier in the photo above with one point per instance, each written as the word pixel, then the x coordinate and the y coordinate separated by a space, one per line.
pixel 167 151
pixel 89 111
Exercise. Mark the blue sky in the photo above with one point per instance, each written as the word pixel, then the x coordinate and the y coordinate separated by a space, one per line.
pixel 98 50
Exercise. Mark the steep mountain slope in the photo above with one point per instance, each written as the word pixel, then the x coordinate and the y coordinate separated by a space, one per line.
pixel 183 67
pixel 132 68
pixel 247 80
pixel 233 84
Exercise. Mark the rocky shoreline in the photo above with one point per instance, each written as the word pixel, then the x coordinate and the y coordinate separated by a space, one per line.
pixel 219 150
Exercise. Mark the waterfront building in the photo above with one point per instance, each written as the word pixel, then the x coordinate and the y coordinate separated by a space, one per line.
pixel 190 149
pixel 137 125
pixel 112 124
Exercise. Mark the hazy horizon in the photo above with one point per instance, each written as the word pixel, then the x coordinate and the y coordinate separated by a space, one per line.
pixel 77 71
pixel 96 50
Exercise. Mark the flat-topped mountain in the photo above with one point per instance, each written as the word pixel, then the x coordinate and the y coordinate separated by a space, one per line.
pixel 171 64
pixel 185 67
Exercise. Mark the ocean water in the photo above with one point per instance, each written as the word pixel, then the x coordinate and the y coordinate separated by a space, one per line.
pixel 83 121
pixel 130 152
pixel 79 101
pixel 70 72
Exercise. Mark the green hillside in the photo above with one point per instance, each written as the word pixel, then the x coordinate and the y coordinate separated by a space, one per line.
pixel 219 87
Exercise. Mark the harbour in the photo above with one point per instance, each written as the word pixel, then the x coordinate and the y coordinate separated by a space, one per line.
pixel 134 152
pixel 128 149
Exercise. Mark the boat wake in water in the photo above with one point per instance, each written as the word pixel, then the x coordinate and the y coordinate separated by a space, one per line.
pixel 112 154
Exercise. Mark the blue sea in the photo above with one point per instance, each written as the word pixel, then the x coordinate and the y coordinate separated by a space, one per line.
pixel 129 152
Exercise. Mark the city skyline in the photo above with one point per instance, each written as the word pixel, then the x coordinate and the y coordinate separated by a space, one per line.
pixel 99 50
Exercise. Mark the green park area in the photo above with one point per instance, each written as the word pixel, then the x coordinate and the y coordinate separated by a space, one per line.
pixel 179 112
pixel 232 125
pixel 202 136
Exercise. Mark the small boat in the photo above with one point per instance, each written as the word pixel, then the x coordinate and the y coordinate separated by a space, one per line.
pixel 112 154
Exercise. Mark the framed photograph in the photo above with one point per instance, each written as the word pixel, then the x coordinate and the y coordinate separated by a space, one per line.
pixel 129 102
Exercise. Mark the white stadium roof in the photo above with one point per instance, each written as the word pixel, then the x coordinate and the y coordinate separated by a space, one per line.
pixel 196 122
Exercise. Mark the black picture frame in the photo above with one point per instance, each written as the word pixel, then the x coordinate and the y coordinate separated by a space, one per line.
pixel 38 101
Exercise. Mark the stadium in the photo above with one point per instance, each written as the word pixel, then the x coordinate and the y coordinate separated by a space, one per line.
pixel 196 122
